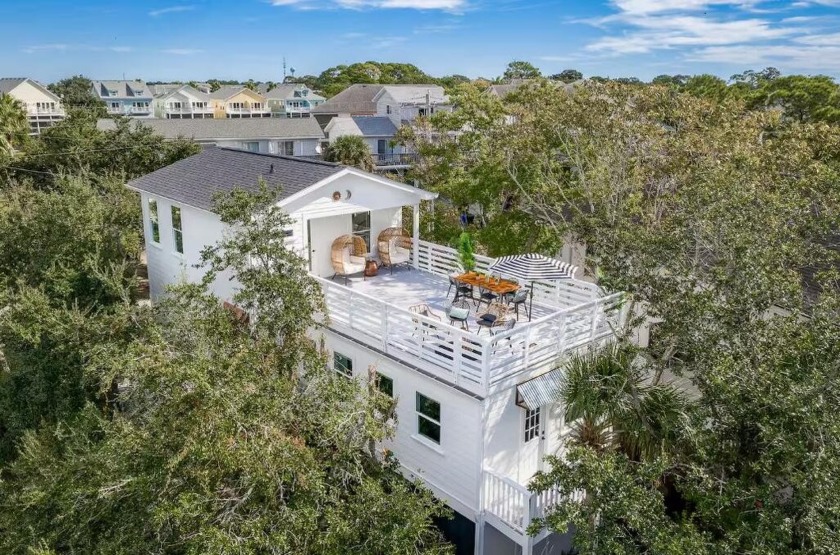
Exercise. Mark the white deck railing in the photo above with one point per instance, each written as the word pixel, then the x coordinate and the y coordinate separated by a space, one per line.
pixel 464 358
pixel 512 505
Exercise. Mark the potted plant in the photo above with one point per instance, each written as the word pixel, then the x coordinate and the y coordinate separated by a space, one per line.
pixel 465 252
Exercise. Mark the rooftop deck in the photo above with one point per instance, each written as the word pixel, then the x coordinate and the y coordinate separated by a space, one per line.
pixel 375 311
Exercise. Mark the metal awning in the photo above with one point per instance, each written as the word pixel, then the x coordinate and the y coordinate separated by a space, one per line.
pixel 539 391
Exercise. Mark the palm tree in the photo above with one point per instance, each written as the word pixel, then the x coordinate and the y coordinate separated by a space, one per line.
pixel 350 150
pixel 14 125
pixel 612 404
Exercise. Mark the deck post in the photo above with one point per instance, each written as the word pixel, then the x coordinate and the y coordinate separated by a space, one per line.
pixel 415 236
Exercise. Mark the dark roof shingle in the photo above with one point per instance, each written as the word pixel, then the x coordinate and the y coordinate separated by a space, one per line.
pixel 194 181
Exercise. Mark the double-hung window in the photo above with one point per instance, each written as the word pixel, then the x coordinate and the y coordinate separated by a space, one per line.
pixel 428 418
pixel 177 230
pixel 343 364
pixel 385 384
pixel 154 224
pixel 532 424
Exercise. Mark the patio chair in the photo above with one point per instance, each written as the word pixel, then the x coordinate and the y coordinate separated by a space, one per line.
pixel 459 311
pixel 394 248
pixel 424 310
pixel 348 256
pixel 461 289
pixel 486 296
pixel 495 316
pixel 519 298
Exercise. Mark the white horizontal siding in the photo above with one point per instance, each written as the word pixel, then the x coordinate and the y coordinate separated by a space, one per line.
pixel 452 468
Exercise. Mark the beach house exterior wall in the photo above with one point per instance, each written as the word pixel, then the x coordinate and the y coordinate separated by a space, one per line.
pixel 238 102
pixel 475 413
pixel 43 107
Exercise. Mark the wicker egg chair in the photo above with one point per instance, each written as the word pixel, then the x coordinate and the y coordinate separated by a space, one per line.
pixel 394 247
pixel 348 256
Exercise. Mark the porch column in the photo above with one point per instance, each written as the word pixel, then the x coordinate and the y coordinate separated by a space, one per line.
pixel 415 234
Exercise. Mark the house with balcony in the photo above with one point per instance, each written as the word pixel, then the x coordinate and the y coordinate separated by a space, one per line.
pixel 400 103
pixel 237 102
pixel 379 134
pixel 43 107
pixel 182 102
pixel 290 101
pixel 287 137
pixel 125 98
pixel 476 406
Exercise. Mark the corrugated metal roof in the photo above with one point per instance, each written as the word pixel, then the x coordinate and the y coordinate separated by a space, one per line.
pixel 540 391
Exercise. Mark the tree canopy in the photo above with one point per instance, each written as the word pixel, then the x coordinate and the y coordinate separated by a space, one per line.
pixel 519 69
pixel 711 216
pixel 77 94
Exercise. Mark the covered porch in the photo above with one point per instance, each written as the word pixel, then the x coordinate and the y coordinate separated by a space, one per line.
pixel 354 204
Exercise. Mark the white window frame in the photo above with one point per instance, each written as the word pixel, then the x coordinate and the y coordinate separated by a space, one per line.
pixel 342 370
pixel 177 232
pixel 379 376
pixel 154 221
pixel 427 418
pixel 532 424
pixel 247 145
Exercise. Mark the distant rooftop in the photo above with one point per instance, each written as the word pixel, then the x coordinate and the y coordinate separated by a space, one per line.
pixel 229 128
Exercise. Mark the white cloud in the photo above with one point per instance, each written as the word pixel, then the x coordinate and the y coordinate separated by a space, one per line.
pixel 170 9
pixel 55 47
pixel 796 57
pixel 738 32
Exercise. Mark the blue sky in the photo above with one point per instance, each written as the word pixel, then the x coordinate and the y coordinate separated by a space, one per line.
pixel 241 39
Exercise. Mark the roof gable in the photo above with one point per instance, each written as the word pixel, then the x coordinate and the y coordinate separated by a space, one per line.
pixel 196 180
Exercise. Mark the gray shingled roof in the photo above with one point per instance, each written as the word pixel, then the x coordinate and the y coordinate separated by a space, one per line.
pixel 355 99
pixel 375 126
pixel 125 89
pixel 195 180
pixel 229 128
pixel 9 83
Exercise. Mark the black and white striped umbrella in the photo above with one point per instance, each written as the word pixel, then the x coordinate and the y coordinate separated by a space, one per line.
pixel 532 267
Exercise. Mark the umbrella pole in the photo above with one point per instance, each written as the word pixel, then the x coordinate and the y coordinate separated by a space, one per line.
pixel 531 308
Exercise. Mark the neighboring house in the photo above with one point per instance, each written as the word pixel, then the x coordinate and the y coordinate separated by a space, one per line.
pixel 289 137
pixel 476 413
pixel 237 102
pixel 126 98
pixel 166 88
pixel 291 101
pixel 183 102
pixel 405 103
pixel 378 132
pixel 43 108
pixel 400 103
pixel 355 100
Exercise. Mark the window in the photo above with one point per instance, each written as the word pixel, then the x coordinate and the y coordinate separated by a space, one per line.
pixel 115 105
pixel 421 112
pixel 153 221
pixel 428 418
pixel 177 230
pixel 361 226
pixel 175 105
pixel 532 424
pixel 257 105
pixel 289 148
pixel 381 146
pixel 237 105
pixel 388 109
pixel 343 364
pixel 252 146
pixel 385 384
